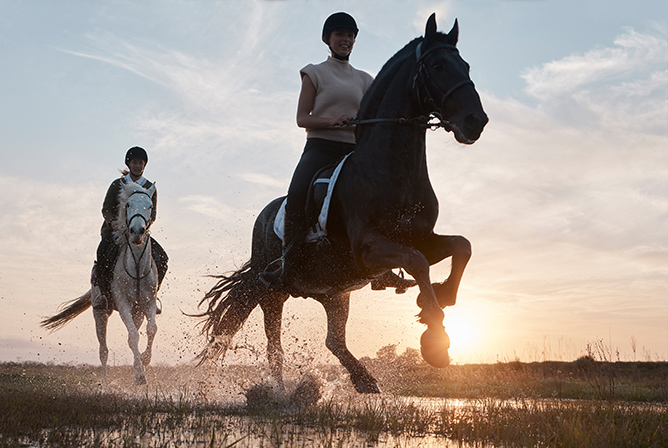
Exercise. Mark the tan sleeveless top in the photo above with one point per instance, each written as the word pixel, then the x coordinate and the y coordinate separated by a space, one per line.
pixel 339 90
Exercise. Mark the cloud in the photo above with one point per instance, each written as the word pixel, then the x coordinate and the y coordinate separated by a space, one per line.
pixel 625 85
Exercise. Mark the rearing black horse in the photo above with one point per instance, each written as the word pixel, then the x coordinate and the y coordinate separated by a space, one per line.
pixel 382 214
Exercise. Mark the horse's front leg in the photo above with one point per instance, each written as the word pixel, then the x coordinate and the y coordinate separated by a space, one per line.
pixel 381 253
pixel 337 308
pixel 438 247
pixel 151 331
pixel 125 311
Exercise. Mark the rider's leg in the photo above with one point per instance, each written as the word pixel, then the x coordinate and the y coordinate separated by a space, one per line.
pixel 160 257
pixel 107 252
pixel 318 153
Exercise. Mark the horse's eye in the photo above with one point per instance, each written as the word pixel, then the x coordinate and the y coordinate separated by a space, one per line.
pixel 437 66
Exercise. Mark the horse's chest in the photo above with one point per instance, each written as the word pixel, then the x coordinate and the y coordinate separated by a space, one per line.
pixel 414 221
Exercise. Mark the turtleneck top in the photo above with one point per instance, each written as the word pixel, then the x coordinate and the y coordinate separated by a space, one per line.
pixel 339 90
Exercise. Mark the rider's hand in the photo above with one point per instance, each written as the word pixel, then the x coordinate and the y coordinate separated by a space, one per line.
pixel 340 121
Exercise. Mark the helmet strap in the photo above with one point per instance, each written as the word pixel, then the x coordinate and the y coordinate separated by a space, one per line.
pixel 335 55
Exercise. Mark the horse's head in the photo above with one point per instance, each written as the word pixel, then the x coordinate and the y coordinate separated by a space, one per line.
pixel 443 84
pixel 137 209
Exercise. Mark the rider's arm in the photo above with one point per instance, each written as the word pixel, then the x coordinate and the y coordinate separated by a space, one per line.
pixel 154 210
pixel 305 106
pixel 110 204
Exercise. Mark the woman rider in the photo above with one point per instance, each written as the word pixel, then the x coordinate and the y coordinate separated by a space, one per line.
pixel 330 96
pixel 107 251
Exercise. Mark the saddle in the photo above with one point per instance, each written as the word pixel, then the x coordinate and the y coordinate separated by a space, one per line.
pixel 317 205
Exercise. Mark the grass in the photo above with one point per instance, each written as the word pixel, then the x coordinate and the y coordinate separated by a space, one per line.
pixel 506 404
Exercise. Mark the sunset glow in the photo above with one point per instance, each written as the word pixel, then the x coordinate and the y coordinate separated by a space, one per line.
pixel 563 197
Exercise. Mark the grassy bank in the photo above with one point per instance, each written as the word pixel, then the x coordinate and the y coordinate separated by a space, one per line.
pixel 583 379
pixel 46 405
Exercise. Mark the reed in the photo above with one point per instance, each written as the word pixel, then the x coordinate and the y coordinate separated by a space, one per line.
pixel 42 405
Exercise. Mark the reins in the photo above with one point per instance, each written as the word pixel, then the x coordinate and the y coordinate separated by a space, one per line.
pixel 138 277
pixel 420 81
pixel 421 121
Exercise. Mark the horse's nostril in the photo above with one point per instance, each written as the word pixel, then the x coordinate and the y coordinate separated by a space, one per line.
pixel 475 122
pixel 472 121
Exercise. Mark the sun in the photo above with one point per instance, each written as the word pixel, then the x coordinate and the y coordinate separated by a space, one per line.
pixel 464 331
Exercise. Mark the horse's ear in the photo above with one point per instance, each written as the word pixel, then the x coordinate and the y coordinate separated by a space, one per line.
pixel 453 35
pixel 151 190
pixel 430 29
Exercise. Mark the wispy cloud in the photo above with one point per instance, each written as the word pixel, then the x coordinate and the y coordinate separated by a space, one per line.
pixel 623 85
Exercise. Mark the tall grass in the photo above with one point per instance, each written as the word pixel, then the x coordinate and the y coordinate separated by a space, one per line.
pixel 58 406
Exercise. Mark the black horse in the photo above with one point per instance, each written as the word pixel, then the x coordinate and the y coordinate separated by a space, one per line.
pixel 382 214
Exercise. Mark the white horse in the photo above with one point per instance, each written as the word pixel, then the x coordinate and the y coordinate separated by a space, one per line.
pixel 134 286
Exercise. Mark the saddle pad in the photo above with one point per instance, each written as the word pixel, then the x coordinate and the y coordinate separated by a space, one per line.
pixel 318 231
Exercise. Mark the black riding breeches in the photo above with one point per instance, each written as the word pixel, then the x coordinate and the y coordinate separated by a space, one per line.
pixel 318 153
pixel 107 253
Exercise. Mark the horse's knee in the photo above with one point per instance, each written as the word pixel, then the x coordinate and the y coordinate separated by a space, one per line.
pixel 462 247
pixel 151 327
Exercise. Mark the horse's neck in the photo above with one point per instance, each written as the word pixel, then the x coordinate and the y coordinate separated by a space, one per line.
pixel 392 143
pixel 397 147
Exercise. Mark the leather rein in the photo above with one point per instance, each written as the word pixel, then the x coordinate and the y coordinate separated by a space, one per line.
pixel 420 81
pixel 138 277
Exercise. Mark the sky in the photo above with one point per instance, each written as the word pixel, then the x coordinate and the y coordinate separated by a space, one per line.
pixel 564 197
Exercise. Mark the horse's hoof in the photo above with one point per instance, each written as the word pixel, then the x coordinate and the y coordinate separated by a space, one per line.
pixel 434 345
pixel 364 387
pixel 444 294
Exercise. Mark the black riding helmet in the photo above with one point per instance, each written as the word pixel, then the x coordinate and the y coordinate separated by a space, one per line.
pixel 338 20
pixel 135 153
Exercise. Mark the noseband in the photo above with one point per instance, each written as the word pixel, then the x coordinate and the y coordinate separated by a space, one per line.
pixel 422 78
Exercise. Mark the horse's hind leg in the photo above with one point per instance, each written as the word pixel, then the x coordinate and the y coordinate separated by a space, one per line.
pixel 272 308
pixel 101 319
pixel 337 309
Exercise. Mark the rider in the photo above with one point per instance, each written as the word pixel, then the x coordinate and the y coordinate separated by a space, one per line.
pixel 107 251
pixel 330 96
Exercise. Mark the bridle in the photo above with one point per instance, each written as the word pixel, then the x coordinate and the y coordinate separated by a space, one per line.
pixel 137 275
pixel 129 220
pixel 421 82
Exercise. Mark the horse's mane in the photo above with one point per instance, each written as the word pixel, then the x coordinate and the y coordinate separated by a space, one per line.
pixel 124 194
pixel 387 75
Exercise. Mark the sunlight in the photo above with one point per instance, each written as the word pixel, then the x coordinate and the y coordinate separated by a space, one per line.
pixel 464 331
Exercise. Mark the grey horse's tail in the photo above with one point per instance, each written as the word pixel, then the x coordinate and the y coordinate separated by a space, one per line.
pixel 230 302
pixel 70 310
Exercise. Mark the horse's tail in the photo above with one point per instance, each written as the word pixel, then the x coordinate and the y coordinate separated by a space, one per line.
pixel 69 310
pixel 230 302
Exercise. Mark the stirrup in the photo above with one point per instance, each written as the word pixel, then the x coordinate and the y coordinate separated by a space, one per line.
pixel 271 277
pixel 158 309
pixel 101 302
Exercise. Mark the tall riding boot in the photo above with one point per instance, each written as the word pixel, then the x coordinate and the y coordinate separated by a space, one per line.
pixel 160 257
pixel 293 236
pixel 107 253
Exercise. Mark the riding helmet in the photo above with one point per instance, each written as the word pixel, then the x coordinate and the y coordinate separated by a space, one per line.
pixel 339 20
pixel 135 153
